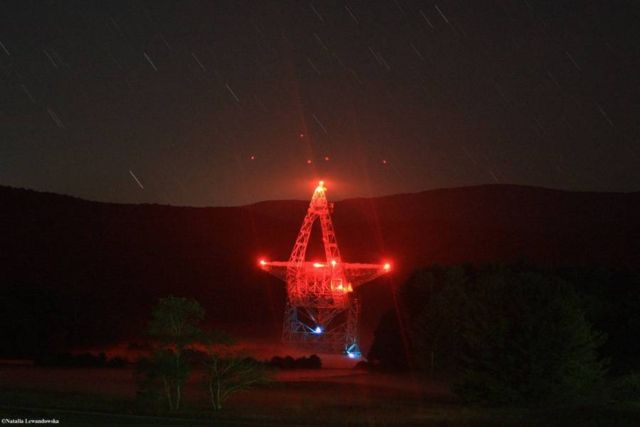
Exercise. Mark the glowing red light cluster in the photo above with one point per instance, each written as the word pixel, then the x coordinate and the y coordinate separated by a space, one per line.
pixel 319 291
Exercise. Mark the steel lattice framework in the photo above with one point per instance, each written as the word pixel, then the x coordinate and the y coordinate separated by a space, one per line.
pixel 322 311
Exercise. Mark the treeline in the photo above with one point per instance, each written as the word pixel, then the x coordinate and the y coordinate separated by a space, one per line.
pixel 83 360
pixel 100 360
pixel 518 333
pixel 288 362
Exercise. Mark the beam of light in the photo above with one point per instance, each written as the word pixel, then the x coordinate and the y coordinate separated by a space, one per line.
pixel 444 18
pixel 232 93
pixel 320 124
pixel 316 12
pixel 136 178
pixel 427 19
pixel 55 118
pixel 352 15
pixel 4 48
pixel 53 62
pixel 150 61
pixel 198 61
pixel 353 351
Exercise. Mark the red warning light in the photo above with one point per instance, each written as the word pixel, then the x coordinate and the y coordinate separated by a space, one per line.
pixel 319 289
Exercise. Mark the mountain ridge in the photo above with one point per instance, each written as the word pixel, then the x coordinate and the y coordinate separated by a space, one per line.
pixel 87 272
pixel 9 188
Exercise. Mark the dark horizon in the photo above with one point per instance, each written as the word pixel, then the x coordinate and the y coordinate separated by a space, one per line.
pixel 333 199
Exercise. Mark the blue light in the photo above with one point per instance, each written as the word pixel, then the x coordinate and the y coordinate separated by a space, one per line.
pixel 353 351
pixel 317 330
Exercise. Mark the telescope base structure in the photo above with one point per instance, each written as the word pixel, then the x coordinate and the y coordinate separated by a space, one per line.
pixel 337 335
pixel 321 314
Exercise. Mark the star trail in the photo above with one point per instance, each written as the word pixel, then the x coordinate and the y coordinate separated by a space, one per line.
pixel 231 102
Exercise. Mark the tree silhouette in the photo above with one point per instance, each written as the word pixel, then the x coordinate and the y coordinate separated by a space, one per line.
pixel 503 334
pixel 173 327
pixel 523 338
pixel 229 373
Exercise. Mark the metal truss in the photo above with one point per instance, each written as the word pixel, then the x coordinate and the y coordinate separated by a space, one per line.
pixel 321 313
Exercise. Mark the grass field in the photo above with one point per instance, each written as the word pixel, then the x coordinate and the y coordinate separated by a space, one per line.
pixel 97 397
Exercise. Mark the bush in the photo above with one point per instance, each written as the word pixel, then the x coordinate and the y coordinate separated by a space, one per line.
pixel 388 352
pixel 116 362
pixel 228 374
pixel 288 362
pixel 174 327
pixel 503 334
pixel 626 388
pixel 525 339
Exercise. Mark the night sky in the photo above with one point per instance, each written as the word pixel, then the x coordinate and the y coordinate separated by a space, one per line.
pixel 210 103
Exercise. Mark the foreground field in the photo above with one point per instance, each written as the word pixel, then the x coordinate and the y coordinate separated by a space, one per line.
pixel 323 397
